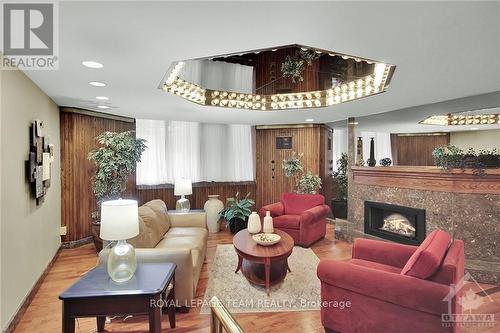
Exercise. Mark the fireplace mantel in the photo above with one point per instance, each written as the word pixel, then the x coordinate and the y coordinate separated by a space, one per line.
pixel 429 178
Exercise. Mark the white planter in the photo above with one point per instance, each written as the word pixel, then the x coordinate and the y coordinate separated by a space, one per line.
pixel 212 208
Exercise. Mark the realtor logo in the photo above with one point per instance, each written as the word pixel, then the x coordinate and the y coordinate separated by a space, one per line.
pixel 29 36
pixel 468 301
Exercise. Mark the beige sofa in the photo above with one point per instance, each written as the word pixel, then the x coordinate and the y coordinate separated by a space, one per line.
pixel 177 238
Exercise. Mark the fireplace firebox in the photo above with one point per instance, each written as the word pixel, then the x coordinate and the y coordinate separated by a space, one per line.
pixel 401 224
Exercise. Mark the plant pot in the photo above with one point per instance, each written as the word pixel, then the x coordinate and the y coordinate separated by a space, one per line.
pixel 96 228
pixel 339 208
pixel 237 225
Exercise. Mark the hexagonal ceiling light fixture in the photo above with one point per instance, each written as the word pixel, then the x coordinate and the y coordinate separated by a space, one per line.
pixel 279 78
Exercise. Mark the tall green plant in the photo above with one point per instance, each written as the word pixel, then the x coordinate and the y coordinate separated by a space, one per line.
pixel 115 161
pixel 340 176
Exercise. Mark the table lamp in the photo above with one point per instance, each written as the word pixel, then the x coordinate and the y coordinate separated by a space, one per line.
pixel 183 187
pixel 120 221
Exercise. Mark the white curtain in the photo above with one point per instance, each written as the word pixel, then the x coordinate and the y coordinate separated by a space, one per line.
pixel 218 75
pixel 339 145
pixel 382 145
pixel 200 152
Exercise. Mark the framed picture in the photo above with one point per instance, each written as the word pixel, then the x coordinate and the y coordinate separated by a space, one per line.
pixel 284 142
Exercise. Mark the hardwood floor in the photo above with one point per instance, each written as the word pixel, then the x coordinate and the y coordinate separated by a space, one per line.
pixel 44 313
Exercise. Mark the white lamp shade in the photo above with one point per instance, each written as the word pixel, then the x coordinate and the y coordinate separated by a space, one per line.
pixel 119 219
pixel 183 187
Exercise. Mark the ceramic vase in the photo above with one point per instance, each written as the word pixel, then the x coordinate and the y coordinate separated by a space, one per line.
pixel 268 223
pixel 212 208
pixel 254 223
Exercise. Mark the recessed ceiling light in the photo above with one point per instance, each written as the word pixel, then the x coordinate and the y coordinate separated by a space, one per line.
pixel 97 84
pixel 309 119
pixel 103 107
pixel 92 64
pixel 102 98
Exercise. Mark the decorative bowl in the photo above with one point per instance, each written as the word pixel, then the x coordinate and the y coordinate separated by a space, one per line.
pixel 266 239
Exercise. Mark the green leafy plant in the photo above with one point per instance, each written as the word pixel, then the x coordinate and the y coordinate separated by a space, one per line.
pixel 340 176
pixel 292 166
pixel 293 67
pixel 237 209
pixel 308 183
pixel 304 182
pixel 308 56
pixel 115 161
pixel 451 157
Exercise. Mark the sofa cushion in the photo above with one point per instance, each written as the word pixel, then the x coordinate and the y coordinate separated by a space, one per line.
pixel 195 243
pixel 287 221
pixel 143 240
pixel 375 265
pixel 152 225
pixel 183 232
pixel 428 257
pixel 159 207
pixel 295 203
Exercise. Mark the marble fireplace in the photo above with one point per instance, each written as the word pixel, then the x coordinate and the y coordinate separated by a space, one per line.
pixel 458 201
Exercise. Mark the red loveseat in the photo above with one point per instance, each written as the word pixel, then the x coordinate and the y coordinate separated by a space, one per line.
pixel 393 288
pixel 302 216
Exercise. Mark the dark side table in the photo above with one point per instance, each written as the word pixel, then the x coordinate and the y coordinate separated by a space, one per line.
pixel 96 295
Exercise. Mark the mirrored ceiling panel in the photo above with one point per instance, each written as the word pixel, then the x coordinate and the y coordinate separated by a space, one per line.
pixel 285 77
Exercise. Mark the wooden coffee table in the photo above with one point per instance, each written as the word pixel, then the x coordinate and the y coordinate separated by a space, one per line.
pixel 263 265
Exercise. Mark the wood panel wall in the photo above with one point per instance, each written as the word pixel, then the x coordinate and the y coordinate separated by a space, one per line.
pixel 268 75
pixel 200 193
pixel 307 140
pixel 416 149
pixel 78 132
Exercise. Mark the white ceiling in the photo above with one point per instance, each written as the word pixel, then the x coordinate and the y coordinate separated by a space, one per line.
pixel 407 120
pixel 442 51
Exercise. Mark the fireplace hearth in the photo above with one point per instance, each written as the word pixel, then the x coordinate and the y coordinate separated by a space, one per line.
pixel 401 224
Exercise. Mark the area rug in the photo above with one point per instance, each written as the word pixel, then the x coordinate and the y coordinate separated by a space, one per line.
pixel 300 291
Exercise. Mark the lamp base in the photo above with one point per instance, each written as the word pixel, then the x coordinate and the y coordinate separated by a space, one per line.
pixel 122 262
pixel 182 205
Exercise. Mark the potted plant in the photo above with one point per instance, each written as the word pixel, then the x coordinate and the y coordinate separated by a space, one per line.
pixel 237 211
pixel 339 205
pixel 115 161
pixel 305 182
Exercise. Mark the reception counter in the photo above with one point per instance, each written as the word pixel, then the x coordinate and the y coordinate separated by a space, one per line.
pixel 430 178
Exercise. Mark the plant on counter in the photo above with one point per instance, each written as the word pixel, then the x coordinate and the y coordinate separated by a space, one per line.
pixel 115 161
pixel 305 182
pixel 451 157
pixel 237 211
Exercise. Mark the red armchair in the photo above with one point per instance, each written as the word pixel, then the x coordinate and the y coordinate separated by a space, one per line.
pixel 384 293
pixel 302 216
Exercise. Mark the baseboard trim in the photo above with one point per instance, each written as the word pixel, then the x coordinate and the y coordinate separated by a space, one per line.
pixel 16 318
pixel 77 243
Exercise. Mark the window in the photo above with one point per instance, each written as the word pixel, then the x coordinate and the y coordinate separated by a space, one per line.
pixel 200 152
